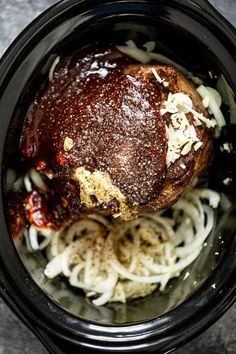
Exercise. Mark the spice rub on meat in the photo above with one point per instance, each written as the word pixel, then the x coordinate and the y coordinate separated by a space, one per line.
pixel 98 131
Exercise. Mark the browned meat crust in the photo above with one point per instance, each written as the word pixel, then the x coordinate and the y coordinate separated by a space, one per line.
pixel 178 180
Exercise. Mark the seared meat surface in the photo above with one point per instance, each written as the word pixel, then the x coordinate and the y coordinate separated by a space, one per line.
pixel 96 130
pixel 195 163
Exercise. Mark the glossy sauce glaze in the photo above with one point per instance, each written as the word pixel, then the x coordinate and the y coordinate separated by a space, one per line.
pixel 96 115
pixel 46 209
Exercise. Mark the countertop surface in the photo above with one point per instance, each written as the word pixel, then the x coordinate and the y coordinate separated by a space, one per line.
pixel 15 338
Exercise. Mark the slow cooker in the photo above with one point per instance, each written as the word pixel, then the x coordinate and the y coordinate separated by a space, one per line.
pixel 193 34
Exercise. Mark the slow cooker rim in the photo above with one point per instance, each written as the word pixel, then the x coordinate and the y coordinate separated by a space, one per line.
pixel 230 295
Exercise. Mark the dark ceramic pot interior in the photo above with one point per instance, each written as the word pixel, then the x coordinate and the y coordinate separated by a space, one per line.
pixel 188 37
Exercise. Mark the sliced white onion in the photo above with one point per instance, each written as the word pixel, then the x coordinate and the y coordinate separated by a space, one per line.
pixel 37 179
pixel 54 245
pixel 150 46
pixel 164 282
pixel 103 299
pixel 102 220
pixel 27 183
pixel 18 185
pixel 200 237
pixel 99 262
pixel 177 267
pixel 65 260
pixel 135 53
pixel 27 240
pixel 138 278
pixel 183 230
pixel 54 267
pixel 79 226
pixel 87 268
pixel 130 43
pixel 33 237
pixel 107 284
pixel 74 281
pixel 182 101
pixel 52 68
pixel 212 196
pixel 214 103
pixel 145 57
pixel 163 222
pixel 45 242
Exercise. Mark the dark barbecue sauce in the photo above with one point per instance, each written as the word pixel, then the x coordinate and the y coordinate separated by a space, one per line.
pixel 42 209
pixel 96 114
pixel 46 209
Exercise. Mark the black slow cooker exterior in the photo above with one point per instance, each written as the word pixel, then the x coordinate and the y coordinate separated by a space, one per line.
pixel 60 331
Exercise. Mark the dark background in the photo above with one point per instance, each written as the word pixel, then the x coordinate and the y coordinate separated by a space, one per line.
pixel 15 338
